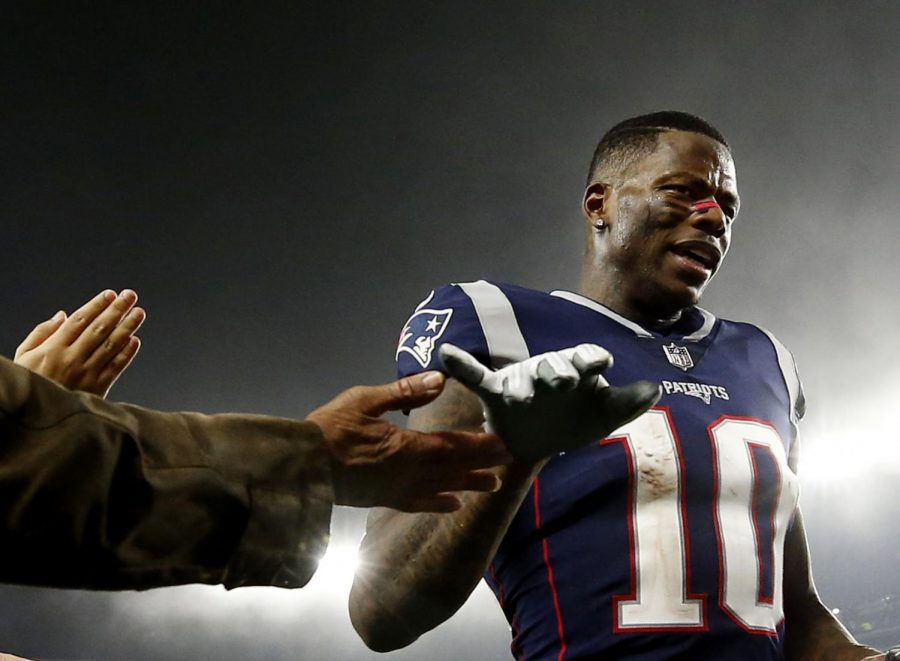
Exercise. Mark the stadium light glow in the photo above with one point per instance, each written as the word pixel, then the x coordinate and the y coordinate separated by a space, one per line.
pixel 336 569
pixel 864 442
pixel 325 594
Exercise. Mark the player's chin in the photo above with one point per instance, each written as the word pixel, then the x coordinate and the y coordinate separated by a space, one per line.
pixel 684 285
pixel 686 294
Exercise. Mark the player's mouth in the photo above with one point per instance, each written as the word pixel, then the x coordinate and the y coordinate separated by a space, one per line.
pixel 700 257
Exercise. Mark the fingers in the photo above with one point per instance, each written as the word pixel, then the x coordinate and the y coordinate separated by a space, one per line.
pixel 74 326
pixel 557 372
pixel 108 328
pixel 448 451
pixel 433 492
pixel 590 359
pixel 118 340
pixel 441 503
pixel 518 383
pixel 429 501
pixel 117 365
pixel 466 369
pixel 40 333
pixel 407 393
pixel 91 348
pixel 478 480
pixel 628 402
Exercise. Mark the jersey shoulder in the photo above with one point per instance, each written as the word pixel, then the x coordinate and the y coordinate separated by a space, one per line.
pixel 479 316
pixel 787 365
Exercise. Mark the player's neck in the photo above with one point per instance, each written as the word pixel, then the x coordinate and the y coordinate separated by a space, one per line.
pixel 616 297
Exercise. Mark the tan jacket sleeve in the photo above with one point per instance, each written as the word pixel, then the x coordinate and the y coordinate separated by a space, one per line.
pixel 99 495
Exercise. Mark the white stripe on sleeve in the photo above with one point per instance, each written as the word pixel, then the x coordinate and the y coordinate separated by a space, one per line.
pixel 504 338
pixel 791 378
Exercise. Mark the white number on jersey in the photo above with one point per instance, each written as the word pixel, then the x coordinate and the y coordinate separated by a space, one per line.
pixel 660 549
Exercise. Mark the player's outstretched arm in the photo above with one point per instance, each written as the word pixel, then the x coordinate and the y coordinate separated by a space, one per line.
pixel 812 631
pixel 89 349
pixel 416 571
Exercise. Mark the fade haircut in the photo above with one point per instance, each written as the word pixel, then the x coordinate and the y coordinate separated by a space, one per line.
pixel 630 141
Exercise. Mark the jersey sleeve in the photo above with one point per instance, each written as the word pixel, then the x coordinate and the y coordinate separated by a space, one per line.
pixel 795 392
pixel 791 378
pixel 480 317
pixel 446 315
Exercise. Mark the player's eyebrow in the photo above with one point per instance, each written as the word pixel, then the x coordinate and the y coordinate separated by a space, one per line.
pixel 687 177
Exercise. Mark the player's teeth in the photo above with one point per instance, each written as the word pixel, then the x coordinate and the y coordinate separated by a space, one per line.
pixel 697 257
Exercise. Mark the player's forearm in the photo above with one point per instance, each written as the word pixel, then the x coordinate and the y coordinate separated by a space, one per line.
pixel 417 570
pixel 812 631
pixel 821 636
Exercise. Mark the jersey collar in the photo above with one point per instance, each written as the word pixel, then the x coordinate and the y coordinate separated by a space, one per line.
pixel 704 325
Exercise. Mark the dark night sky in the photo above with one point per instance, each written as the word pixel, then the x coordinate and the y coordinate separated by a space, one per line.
pixel 282 182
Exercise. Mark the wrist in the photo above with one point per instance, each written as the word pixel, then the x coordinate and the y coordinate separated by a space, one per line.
pixel 337 469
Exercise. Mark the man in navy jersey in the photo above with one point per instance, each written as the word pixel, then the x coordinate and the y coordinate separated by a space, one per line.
pixel 677 536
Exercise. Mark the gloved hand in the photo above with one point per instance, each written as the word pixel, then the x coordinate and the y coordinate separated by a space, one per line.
pixel 551 402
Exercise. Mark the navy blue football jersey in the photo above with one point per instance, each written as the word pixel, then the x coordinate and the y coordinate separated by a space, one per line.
pixel 664 540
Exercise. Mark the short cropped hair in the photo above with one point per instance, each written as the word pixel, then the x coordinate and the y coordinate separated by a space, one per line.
pixel 630 141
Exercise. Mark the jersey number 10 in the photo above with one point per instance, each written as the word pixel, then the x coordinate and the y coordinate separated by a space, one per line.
pixel 750 518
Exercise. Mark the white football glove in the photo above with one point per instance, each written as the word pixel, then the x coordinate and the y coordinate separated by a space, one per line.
pixel 551 402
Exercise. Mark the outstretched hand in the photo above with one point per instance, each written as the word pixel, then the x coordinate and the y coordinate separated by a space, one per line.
pixel 551 402
pixel 377 463
pixel 90 349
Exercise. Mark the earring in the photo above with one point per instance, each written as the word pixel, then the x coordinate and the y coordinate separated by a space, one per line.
pixel 599 224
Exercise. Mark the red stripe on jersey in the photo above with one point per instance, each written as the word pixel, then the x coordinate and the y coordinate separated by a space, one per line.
pixel 501 597
pixel 560 627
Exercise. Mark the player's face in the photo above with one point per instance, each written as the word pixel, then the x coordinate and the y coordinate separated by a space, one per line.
pixel 665 238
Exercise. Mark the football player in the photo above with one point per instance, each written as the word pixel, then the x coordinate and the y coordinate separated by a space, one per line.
pixel 676 536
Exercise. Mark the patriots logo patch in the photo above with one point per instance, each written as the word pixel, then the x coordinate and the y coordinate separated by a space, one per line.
pixel 705 396
pixel 421 332
pixel 705 392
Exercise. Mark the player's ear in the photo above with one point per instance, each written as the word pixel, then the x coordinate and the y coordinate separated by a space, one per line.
pixel 595 204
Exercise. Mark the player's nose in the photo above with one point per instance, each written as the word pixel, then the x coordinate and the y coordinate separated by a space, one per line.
pixel 708 216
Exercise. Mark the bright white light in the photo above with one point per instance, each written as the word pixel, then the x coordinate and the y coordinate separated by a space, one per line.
pixel 862 444
pixel 830 462
pixel 325 593
pixel 336 569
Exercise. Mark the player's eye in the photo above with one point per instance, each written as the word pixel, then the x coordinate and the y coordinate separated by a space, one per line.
pixel 728 211
pixel 678 189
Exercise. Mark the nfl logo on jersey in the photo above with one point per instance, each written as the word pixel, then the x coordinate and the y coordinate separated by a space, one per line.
pixel 421 332
pixel 680 357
